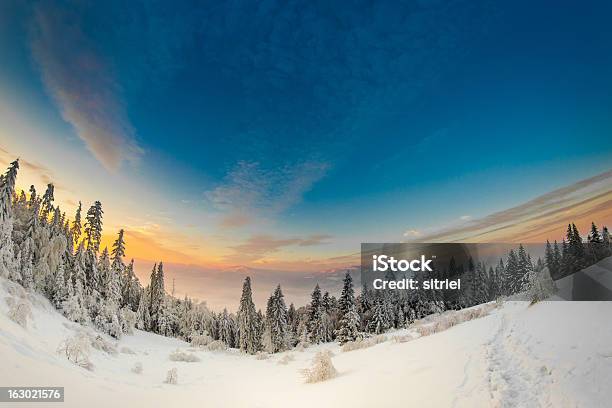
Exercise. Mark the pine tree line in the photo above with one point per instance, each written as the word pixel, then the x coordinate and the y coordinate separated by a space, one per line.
pixel 574 254
pixel 44 251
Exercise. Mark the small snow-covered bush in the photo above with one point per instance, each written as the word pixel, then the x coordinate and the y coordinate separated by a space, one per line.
pixel 262 355
pixel 321 369
pixel 108 322
pixel 363 343
pixel 137 369
pixel 201 340
pixel 100 343
pixel 444 321
pixel 15 289
pixel 404 338
pixel 172 376
pixel 19 311
pixel 127 320
pixel 76 350
pixel 540 285
pixel 178 355
pixel 216 345
pixel 286 359
pixel 126 350
pixel 301 346
pixel 426 330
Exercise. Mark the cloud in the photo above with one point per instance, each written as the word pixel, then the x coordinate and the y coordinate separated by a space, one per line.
pixel 82 85
pixel 412 233
pixel 44 174
pixel 580 202
pixel 465 217
pixel 250 189
pixel 257 246
pixel 315 240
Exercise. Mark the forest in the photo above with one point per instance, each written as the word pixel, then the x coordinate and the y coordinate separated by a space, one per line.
pixel 44 250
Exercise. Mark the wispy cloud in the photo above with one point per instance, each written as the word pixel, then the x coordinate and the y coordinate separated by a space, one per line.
pixel 412 233
pixel 83 85
pixel 44 174
pixel 250 189
pixel 583 201
pixel 258 246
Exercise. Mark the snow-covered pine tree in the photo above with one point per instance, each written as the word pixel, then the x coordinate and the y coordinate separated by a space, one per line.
pixel 607 243
pixel 143 316
pixel 46 204
pixel 131 288
pixel 7 189
pixel 248 325
pixel 316 323
pixel 493 284
pixel 327 308
pixel 482 294
pixel 348 317
pixel 511 284
pixel 60 290
pixel 157 295
pixel 549 258
pixel 76 228
pixel 276 320
pixel 93 227
pixel 226 329
pixel 104 272
pixel 378 322
pixel 596 246
pixel 525 268
pixel 293 320
pixel 113 287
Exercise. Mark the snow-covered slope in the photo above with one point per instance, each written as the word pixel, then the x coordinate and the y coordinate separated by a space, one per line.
pixel 549 354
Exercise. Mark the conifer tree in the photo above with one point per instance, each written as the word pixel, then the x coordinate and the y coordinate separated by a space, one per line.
pixel 143 316
pixel 293 320
pixel 248 324
pixel 606 242
pixel 482 293
pixel 511 283
pixel 525 268
pixel 276 320
pixel 75 230
pixel 316 325
pixel 596 246
pixel 118 251
pixel 93 227
pixel 7 189
pixel 348 317
pixel 226 328
pixel 378 323
pixel 46 205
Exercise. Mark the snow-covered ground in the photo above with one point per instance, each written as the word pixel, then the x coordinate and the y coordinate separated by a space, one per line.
pixel 555 354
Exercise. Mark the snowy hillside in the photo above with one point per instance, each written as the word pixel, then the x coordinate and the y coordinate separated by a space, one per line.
pixel 549 354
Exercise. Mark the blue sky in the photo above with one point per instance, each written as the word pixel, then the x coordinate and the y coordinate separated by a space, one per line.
pixel 313 125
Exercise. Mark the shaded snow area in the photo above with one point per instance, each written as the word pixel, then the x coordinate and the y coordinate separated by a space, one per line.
pixel 553 354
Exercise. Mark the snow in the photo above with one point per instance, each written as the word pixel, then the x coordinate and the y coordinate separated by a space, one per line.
pixel 548 354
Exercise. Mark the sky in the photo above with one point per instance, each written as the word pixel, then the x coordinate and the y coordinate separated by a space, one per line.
pixel 272 138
